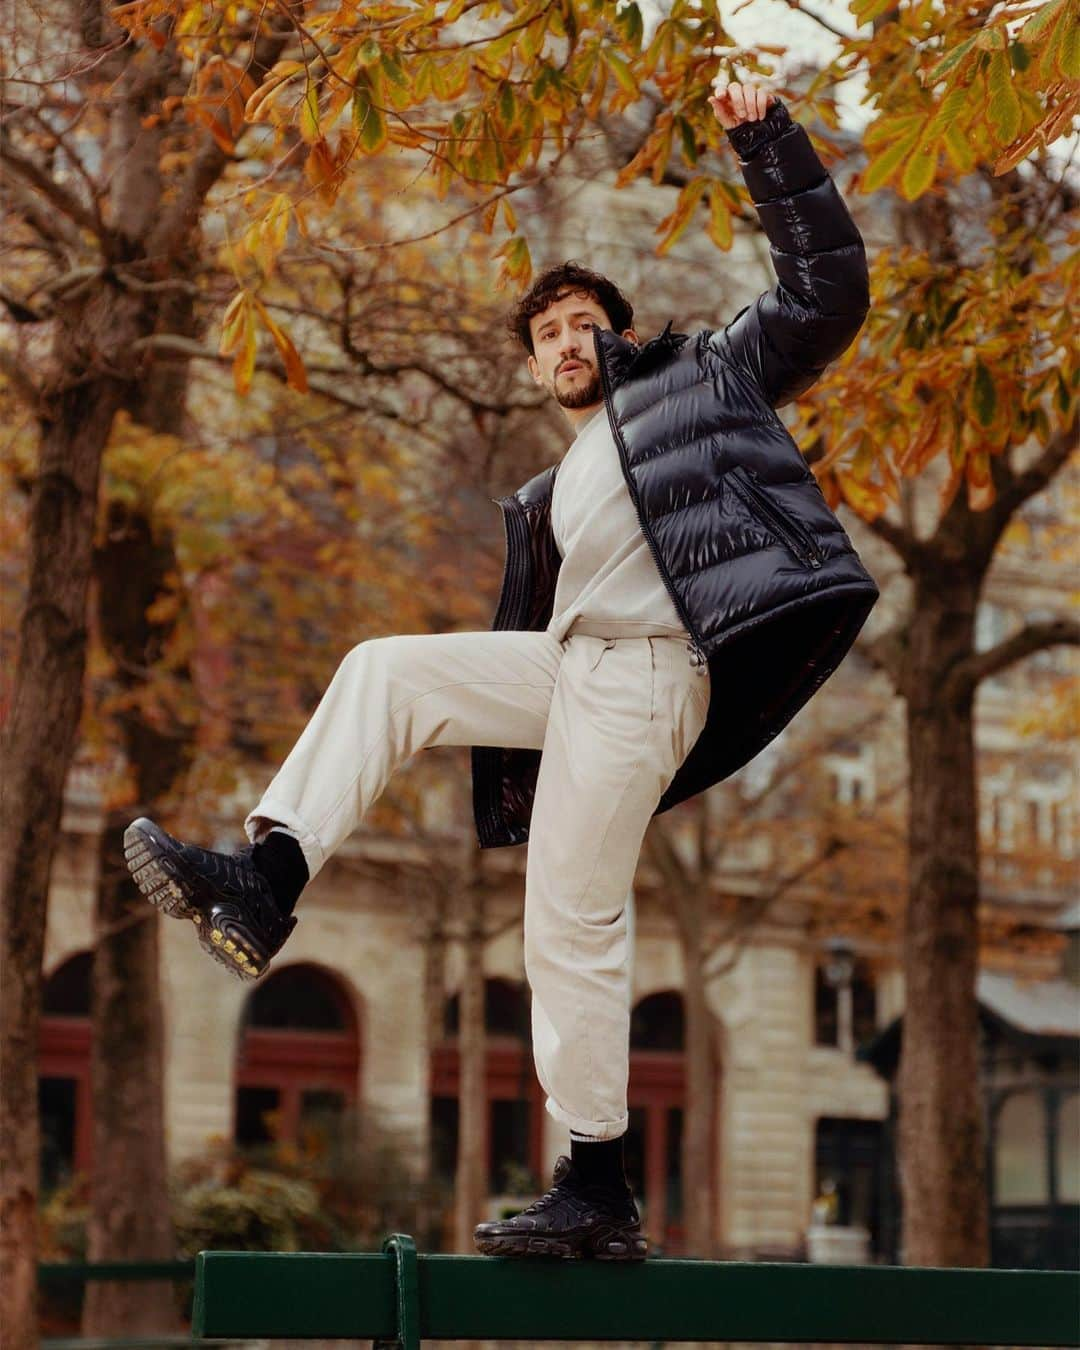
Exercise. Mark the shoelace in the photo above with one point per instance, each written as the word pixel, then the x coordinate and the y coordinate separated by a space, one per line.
pixel 548 1198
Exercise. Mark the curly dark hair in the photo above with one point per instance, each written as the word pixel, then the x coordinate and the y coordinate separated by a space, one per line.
pixel 573 276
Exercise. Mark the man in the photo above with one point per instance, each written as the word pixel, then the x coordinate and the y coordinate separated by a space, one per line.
pixel 675 590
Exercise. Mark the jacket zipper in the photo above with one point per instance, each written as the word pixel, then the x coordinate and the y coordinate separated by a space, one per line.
pixel 517 561
pixel 800 543
pixel 698 660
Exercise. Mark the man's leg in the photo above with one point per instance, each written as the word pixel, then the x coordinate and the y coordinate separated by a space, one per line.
pixel 623 717
pixel 389 698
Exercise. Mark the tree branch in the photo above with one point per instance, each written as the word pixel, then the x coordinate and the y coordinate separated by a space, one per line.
pixel 1021 486
pixel 21 380
pixel 888 652
pixel 172 344
pixel 64 201
pixel 902 541
pixel 824 23
pixel 209 163
pixel 53 229
pixel 1033 637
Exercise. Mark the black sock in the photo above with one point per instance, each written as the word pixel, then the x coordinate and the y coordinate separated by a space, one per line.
pixel 600 1161
pixel 280 859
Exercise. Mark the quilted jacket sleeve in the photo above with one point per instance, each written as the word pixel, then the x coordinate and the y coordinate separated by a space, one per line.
pixel 787 337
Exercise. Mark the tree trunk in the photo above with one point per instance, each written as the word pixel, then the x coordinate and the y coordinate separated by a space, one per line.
pixel 471 1186
pixel 130 1215
pixel 130 1218
pixel 39 743
pixel 700 1106
pixel 434 1016
pixel 941 1137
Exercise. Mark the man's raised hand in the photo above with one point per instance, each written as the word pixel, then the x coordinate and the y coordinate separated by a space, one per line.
pixel 735 103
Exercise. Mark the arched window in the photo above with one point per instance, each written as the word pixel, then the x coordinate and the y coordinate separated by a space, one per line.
pixel 299 1060
pixel 64 1072
pixel 515 1099
pixel 656 1099
pixel 1020 1161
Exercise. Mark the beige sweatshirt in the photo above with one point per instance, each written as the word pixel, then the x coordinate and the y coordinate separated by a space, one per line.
pixel 608 581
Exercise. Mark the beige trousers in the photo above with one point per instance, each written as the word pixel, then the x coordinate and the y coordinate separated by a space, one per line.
pixel 614 717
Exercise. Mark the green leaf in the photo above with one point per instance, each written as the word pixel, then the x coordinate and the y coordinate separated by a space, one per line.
pixel 393 71
pixel 990 40
pixel 1004 106
pixel 984 394
pixel 621 71
pixel 959 149
pixel 1068 56
pixel 884 165
pixel 506 103
pixel 1021 57
pixel 630 22
pixel 949 61
pixel 919 171
pixel 1038 23
pixel 689 140
pixel 367 120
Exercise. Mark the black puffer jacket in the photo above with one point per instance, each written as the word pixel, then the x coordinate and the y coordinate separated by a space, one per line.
pixel 759 567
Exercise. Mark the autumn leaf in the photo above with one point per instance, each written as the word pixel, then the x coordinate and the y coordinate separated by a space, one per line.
pixel 296 375
pixel 238 335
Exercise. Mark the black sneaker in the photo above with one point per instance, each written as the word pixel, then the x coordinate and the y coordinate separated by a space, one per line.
pixel 223 894
pixel 572 1220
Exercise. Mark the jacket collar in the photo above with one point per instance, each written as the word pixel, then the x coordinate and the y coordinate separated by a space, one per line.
pixel 624 358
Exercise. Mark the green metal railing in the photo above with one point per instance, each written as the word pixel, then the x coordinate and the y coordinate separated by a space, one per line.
pixel 398 1297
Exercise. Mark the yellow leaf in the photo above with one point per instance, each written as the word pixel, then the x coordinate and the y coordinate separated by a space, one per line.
pixel 621 71
pixel 244 362
pixel 884 165
pixel 232 322
pixel 258 105
pixel 919 171
pixel 295 374
pixel 677 221
pixel 719 226
pixel 959 149
pixel 1003 106
pixel 309 114
pixel 323 173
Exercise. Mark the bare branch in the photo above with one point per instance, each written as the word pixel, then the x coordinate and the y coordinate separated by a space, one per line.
pixel 1033 637
pixel 902 541
pixel 20 312
pixel 172 344
pixel 888 652
pixel 1031 481
pixel 21 380
pixel 800 8
pixel 49 226
pixel 66 202
pixel 742 925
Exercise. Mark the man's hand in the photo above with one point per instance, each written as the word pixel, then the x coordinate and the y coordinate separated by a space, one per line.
pixel 735 103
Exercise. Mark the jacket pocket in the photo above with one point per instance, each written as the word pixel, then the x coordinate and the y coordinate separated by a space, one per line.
pixel 791 534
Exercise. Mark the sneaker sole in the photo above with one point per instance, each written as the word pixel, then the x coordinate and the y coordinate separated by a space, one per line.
pixel 161 881
pixel 611 1247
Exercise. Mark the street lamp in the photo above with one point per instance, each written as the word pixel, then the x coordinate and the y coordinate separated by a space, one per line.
pixel 839 968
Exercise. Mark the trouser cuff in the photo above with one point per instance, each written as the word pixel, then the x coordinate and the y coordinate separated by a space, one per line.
pixel 269 813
